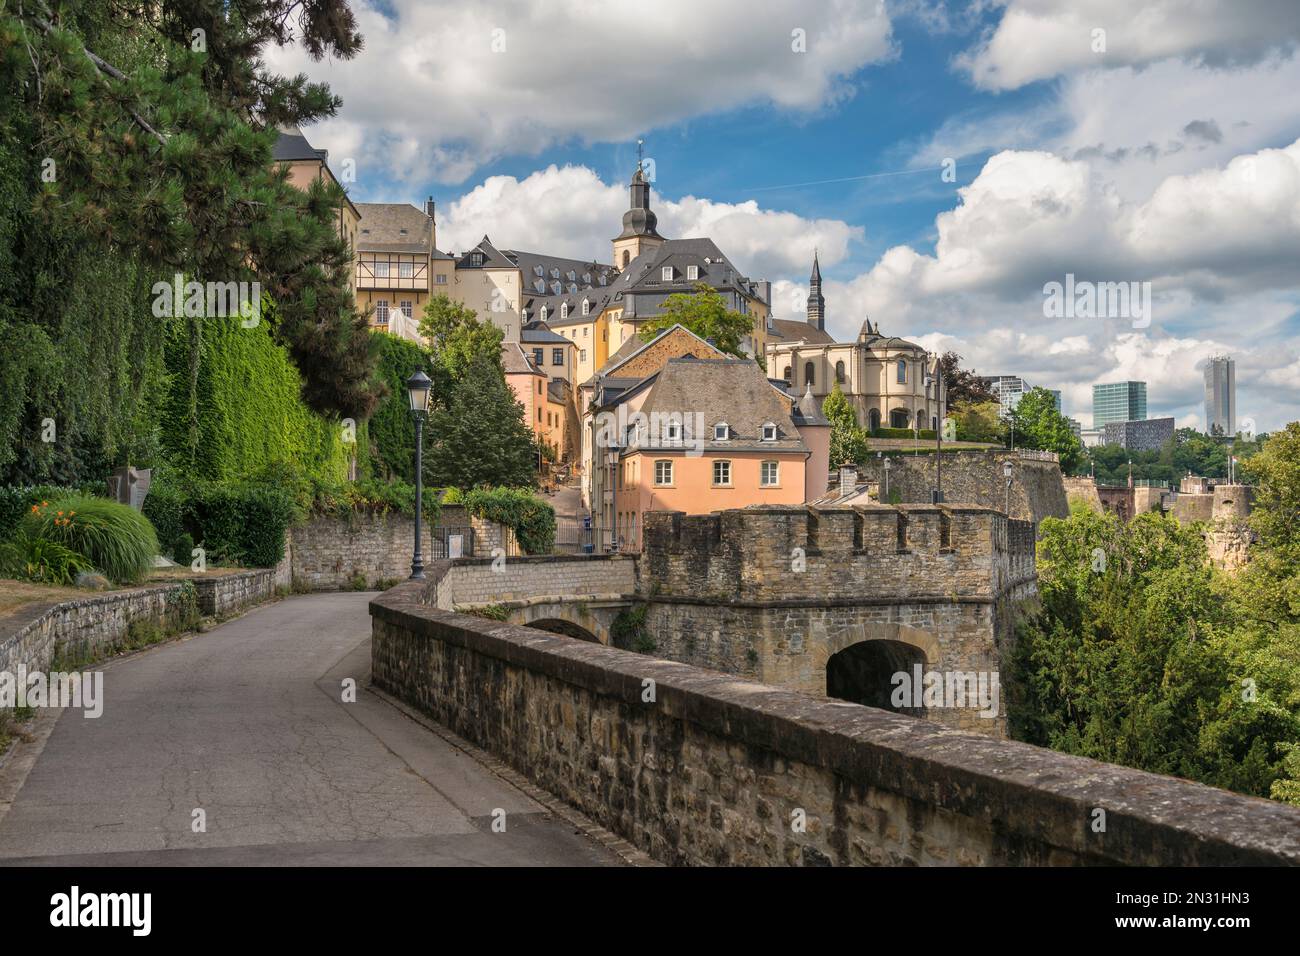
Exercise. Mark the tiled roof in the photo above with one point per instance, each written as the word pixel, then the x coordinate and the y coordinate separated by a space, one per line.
pixel 516 362
pixel 795 330
pixel 734 391
pixel 394 227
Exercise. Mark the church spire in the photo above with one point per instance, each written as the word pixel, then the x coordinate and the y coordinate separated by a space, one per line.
pixel 816 304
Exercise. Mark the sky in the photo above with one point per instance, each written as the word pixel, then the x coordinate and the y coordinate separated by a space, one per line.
pixel 948 161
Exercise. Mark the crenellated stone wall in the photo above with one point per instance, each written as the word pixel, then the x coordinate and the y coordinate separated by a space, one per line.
pixel 701 768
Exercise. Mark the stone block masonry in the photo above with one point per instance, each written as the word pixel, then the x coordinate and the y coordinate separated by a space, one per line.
pixel 710 769
pixel 90 626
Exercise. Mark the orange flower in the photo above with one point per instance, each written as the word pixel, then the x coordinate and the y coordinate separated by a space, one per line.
pixel 36 507
pixel 45 504
pixel 60 514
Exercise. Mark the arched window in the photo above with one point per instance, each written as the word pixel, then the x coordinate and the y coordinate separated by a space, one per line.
pixel 544 311
pixel 839 372
pixel 627 257
pixel 586 307
pixel 920 420
pixel 808 373
pixel 786 375
pixel 564 310
pixel 874 419
pixel 902 372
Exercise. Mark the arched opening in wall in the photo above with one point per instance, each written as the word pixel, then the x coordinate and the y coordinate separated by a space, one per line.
pixel 874 419
pixel 557 625
pixel 863 674
pixel 899 418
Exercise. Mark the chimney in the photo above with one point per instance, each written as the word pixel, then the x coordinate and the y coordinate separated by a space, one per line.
pixel 428 208
pixel 848 480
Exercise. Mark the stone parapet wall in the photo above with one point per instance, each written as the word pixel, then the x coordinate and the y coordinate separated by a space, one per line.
pixel 330 554
pixel 478 581
pixel 91 626
pixel 711 769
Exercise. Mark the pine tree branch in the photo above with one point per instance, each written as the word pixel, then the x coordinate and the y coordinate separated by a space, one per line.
pixel 107 69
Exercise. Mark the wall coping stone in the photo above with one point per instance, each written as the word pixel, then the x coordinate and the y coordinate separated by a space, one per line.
pixel 1027 792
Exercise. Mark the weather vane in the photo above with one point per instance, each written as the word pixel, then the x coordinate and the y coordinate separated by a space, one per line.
pixel 639 152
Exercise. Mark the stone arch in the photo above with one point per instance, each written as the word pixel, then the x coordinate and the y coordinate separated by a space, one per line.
pixel 873 420
pixel 896 647
pixel 899 418
pixel 556 625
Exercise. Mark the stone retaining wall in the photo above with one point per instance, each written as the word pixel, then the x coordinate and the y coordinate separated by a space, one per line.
pixel 473 580
pixel 90 626
pixel 697 767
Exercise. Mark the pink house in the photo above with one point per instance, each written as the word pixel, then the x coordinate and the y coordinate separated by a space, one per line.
pixel 703 435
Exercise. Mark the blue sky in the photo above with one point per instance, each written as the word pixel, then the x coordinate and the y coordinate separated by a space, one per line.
pixel 1112 140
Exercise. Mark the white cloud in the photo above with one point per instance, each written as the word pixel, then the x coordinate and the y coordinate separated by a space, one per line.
pixel 1040 39
pixel 453 85
pixel 570 211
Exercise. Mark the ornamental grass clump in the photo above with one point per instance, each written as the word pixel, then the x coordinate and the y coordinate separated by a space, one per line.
pixel 115 538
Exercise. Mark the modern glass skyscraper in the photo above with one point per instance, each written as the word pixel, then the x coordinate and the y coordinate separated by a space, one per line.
pixel 1118 402
pixel 1221 396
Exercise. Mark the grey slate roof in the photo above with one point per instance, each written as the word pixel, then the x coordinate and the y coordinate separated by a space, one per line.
pixel 734 391
pixel 394 227
pixel 539 333
pixel 292 146
pixel 586 273
pixel 795 330
pixel 493 258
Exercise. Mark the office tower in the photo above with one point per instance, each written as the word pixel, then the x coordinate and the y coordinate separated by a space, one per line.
pixel 1118 402
pixel 1221 396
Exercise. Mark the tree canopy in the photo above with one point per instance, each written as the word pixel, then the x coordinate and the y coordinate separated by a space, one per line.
pixel 705 313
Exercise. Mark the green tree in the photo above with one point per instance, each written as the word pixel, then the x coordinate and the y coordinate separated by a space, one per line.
pixel 478 435
pixel 978 421
pixel 457 337
pixel 1039 425
pixel 705 313
pixel 848 440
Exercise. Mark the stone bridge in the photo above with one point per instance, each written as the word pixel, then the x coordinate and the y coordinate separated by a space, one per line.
pixel 830 601
pixel 575 595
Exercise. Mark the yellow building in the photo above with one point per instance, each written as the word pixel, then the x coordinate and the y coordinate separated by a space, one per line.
pixel 306 164
pixel 399 267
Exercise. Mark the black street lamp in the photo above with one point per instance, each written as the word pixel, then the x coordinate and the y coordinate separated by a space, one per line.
pixel 417 391
pixel 1006 473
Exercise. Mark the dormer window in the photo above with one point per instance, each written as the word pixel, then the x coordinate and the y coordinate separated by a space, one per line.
pixel 544 313
pixel 586 278
pixel 556 288
pixel 692 272
pixel 769 431
pixel 572 276
pixel 674 431
pixel 564 310
pixel 721 432
pixel 667 273
pixel 555 273
pixel 476 258
pixel 538 271
pixel 586 307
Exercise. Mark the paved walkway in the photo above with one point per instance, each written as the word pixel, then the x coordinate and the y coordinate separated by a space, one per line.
pixel 246 723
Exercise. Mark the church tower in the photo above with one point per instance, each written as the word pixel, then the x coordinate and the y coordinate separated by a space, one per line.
pixel 816 304
pixel 639 234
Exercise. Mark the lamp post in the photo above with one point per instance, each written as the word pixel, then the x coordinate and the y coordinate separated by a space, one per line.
pixel 887 467
pixel 1006 473
pixel 931 380
pixel 417 392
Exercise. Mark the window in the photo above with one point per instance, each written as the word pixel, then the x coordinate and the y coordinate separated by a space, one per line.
pixel 692 272
pixel 668 273
pixel 545 311
pixel 557 356
pixel 381 270
pixel 771 474
pixel 539 416
pixel 721 431
pixel 586 307
pixel 585 330
pixel 769 431
pixel 627 257
pixel 538 271
pixel 582 356
pixel 440 279
pixel 786 375
pixel 722 473
pixel 537 357
pixel 381 311
pixel 405 269
pixel 808 373
pixel 564 310
pixel 674 431
pixel 663 472
pixel 571 275
pixel 839 372
pixel 476 258
pixel 902 372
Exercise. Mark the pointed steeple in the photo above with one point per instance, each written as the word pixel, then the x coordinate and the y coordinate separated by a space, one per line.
pixel 816 304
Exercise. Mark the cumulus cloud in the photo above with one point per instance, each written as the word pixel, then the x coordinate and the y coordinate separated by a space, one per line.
pixel 570 211
pixel 1039 39
pixel 443 87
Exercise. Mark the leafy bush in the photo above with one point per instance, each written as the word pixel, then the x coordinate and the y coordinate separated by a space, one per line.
pixel 924 434
pixel 532 519
pixel 16 502
pixel 164 506
pixel 242 523
pixel 183 549
pixel 115 538
pixel 36 559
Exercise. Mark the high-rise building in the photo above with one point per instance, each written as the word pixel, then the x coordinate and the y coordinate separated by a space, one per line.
pixel 1143 435
pixel 1221 396
pixel 1118 402
pixel 1007 389
pixel 1056 395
